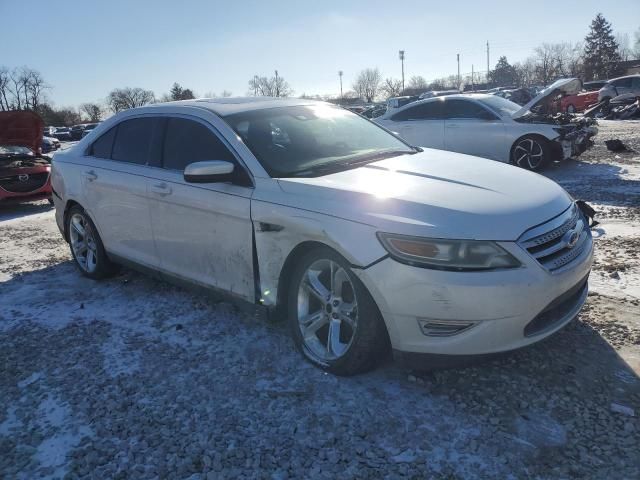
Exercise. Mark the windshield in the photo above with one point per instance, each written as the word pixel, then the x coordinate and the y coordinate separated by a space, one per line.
pixel 313 140
pixel 500 105
pixel 15 151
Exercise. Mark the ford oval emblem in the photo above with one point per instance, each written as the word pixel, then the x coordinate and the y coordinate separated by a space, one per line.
pixel 572 238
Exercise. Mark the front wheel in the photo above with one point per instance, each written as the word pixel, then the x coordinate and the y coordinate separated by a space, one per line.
pixel 86 246
pixel 530 152
pixel 333 319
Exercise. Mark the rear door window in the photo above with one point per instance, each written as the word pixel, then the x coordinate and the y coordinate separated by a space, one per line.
pixel 187 141
pixel 424 111
pixel 622 82
pixel 457 109
pixel 136 141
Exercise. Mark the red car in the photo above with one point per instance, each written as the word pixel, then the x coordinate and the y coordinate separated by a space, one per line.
pixel 581 101
pixel 24 172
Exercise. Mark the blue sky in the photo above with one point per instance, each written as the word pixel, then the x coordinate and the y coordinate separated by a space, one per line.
pixel 84 49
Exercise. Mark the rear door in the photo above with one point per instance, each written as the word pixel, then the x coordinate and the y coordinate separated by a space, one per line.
pixel 115 187
pixel 203 231
pixel 421 125
pixel 472 129
pixel 623 85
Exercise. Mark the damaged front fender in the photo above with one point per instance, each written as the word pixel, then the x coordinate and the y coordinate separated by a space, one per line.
pixel 280 229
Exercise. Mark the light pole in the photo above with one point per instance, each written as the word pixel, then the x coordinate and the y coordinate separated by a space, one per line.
pixel 340 75
pixel 458 56
pixel 401 55
pixel 277 85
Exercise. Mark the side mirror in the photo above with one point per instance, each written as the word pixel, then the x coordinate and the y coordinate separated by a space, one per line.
pixel 208 172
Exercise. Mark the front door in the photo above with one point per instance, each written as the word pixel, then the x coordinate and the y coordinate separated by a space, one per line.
pixel 202 231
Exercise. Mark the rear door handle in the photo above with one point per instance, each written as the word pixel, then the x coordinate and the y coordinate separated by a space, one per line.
pixel 90 175
pixel 161 189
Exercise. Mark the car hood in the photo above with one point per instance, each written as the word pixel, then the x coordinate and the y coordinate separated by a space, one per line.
pixel 23 129
pixel 434 193
pixel 564 86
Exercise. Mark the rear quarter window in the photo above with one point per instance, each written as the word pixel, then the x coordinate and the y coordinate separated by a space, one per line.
pixel 102 147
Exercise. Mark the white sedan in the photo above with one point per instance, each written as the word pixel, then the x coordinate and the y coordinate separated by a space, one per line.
pixel 363 242
pixel 492 127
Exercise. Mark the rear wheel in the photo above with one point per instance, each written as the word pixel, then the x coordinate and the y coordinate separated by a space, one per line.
pixel 333 319
pixel 86 246
pixel 530 152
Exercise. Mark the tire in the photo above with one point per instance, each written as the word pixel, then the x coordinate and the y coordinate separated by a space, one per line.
pixel 86 248
pixel 346 314
pixel 571 108
pixel 531 152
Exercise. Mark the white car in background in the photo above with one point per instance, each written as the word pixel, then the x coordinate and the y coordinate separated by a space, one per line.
pixel 492 127
pixel 361 240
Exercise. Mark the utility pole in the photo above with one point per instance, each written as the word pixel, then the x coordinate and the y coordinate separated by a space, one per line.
pixel 473 87
pixel 458 56
pixel 341 97
pixel 401 54
pixel 255 85
pixel 277 85
pixel 488 70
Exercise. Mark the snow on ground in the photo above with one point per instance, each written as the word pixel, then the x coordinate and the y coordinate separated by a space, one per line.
pixel 134 378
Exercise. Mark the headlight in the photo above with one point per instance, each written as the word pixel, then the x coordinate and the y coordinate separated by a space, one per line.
pixel 457 255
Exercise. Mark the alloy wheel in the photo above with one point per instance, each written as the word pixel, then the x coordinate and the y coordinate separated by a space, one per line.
pixel 528 154
pixel 83 243
pixel 327 310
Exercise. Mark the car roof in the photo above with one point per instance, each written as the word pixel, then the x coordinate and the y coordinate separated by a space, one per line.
pixel 232 105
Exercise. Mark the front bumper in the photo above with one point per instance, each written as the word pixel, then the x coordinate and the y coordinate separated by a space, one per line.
pixel 573 144
pixel 502 305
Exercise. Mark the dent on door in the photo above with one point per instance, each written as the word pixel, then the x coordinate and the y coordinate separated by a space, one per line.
pixel 279 230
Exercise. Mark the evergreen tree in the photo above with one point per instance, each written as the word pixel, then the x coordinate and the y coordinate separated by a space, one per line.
pixel 601 54
pixel 504 74
pixel 179 93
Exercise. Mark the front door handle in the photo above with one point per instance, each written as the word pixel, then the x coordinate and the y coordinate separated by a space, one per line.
pixel 161 189
pixel 90 175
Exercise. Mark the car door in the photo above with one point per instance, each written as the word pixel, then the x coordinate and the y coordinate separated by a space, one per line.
pixel 421 125
pixel 115 188
pixel 472 129
pixel 202 231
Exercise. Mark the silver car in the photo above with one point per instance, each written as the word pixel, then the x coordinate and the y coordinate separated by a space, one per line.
pixel 620 86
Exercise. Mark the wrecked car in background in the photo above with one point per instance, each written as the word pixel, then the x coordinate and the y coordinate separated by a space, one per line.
pixel 579 102
pixel 24 172
pixel 492 127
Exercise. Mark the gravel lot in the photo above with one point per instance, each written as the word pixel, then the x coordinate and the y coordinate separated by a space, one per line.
pixel 135 378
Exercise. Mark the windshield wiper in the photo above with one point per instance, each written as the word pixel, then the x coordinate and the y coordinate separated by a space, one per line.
pixel 327 168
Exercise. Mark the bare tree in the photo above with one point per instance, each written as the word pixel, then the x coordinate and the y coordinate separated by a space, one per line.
pixel 4 89
pixel 92 110
pixel 275 86
pixel 124 98
pixel 624 46
pixel 391 87
pixel 35 87
pixel 226 93
pixel 367 83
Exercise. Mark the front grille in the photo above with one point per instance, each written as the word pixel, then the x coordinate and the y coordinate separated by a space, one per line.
pixel 557 311
pixel 559 241
pixel 24 183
